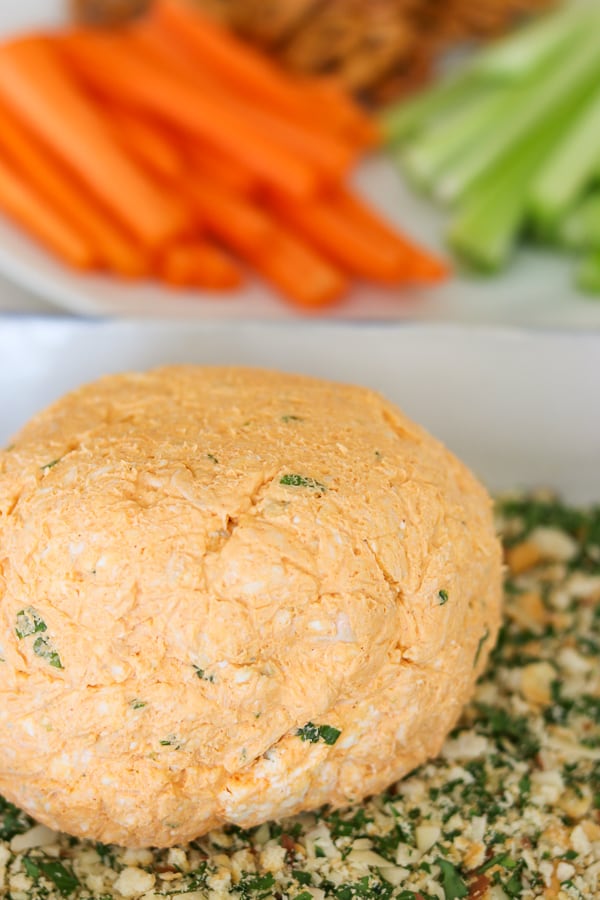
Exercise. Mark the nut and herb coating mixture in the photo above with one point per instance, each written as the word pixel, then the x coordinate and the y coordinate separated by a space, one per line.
pixel 510 809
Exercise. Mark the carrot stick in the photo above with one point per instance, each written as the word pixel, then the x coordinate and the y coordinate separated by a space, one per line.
pixel 234 220
pixel 198 264
pixel 352 121
pixel 328 153
pixel 199 41
pixel 108 63
pixel 219 51
pixel 344 240
pixel 41 92
pixel 424 266
pixel 297 271
pixel 33 212
pixel 147 143
pixel 54 182
pixel 214 166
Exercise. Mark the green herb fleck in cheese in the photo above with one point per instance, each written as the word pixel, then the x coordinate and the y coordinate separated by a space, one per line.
pixel 302 481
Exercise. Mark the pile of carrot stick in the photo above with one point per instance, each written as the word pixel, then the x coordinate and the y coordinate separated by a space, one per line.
pixel 168 149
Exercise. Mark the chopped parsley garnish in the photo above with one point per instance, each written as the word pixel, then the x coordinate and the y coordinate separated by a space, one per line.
pixel 256 887
pixel 443 595
pixel 452 882
pixel 212 458
pixel 29 622
pixel 500 859
pixel 64 879
pixel 12 820
pixel 55 871
pixel 47 466
pixel 315 733
pixel 290 418
pixel 484 637
pixel 44 649
pixel 302 481
pixel 201 673
pixel 31 868
pixel 301 876
pixel 501 725
pixel 137 704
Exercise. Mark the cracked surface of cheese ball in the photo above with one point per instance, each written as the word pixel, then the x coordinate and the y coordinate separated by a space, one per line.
pixel 228 595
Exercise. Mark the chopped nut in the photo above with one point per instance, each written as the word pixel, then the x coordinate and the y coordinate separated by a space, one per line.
pixel 576 804
pixel 553 544
pixel 522 557
pixel 132 882
pixel 536 682
pixel 529 611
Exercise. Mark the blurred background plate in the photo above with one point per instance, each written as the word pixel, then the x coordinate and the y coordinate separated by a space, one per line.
pixel 536 291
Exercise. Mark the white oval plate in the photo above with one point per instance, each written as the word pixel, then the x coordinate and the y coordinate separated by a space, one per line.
pixel 536 291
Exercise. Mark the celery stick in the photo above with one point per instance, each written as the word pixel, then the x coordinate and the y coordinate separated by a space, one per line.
pixel 493 212
pixel 572 165
pixel 424 157
pixel 588 274
pixel 567 81
pixel 408 116
pixel 485 230
pixel 518 55
pixel 508 60
pixel 580 229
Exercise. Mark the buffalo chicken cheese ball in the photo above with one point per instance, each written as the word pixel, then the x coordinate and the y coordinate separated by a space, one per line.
pixel 228 595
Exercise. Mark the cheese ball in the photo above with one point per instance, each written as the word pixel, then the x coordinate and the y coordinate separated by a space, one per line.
pixel 229 595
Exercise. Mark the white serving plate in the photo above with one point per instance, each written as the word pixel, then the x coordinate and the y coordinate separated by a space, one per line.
pixel 536 291
pixel 519 407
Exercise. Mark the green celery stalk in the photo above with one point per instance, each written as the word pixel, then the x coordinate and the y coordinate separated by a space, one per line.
pixel 580 228
pixel 509 60
pixel 408 116
pixel 433 150
pixel 494 211
pixel 484 231
pixel 517 56
pixel 566 81
pixel 588 274
pixel 572 165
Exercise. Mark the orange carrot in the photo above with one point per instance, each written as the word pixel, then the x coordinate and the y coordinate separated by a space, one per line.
pixel 147 143
pixel 198 264
pixel 330 156
pixel 297 271
pixel 220 51
pixel 424 265
pixel 33 212
pixel 198 41
pixel 210 164
pixel 345 241
pixel 284 259
pixel 44 173
pixel 352 121
pixel 34 83
pixel 234 220
pixel 328 153
pixel 108 63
